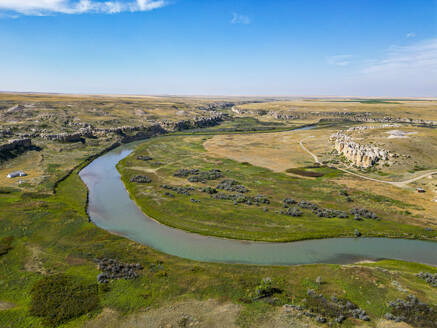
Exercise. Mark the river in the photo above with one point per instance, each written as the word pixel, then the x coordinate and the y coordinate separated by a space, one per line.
pixel 111 208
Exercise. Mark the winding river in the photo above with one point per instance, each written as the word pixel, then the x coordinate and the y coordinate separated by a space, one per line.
pixel 111 208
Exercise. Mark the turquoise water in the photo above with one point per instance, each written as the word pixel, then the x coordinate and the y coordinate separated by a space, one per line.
pixel 111 208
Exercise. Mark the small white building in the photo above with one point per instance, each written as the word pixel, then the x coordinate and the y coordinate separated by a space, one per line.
pixel 16 174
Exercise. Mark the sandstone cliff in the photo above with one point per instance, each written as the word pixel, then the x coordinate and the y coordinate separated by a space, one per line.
pixel 360 155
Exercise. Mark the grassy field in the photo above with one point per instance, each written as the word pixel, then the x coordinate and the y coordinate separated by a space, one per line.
pixel 52 235
pixel 30 115
pixel 280 152
pixel 413 108
pixel 46 237
pixel 200 212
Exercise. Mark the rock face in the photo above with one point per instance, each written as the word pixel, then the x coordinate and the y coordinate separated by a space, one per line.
pixel 360 155
pixel 132 133
pixel 364 117
pixel 198 122
pixel 5 133
pixel 14 147
pixel 369 127
pixel 216 106
pixel 15 108
pixel 15 144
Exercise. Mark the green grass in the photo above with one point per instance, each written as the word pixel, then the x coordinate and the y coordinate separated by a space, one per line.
pixel 305 173
pixel 58 227
pixel 6 245
pixel 316 171
pixel 51 236
pixel 60 298
pixel 241 125
pixel 224 219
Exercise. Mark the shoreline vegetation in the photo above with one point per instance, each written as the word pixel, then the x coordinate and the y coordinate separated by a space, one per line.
pixel 128 167
pixel 169 279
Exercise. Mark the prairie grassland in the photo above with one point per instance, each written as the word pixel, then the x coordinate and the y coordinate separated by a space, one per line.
pixel 415 108
pixel 275 151
pixel 58 228
pixel 280 151
pixel 51 233
pixel 419 145
pixel 224 218
pixel 56 114
pixel 48 165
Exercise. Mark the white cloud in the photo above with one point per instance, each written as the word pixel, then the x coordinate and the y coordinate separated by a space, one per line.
pixel 339 60
pixel 47 7
pixel 407 70
pixel 420 58
pixel 240 19
pixel 410 35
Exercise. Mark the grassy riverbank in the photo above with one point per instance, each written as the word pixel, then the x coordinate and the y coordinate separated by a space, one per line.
pixel 200 212
pixel 44 234
pixel 51 234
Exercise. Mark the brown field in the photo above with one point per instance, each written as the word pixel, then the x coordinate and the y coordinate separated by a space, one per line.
pixel 276 151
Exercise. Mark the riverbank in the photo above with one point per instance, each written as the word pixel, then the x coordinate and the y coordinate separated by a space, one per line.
pixel 52 235
pixel 60 239
pixel 207 215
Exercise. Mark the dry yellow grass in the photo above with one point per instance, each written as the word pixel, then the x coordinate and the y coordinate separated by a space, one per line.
pixel 275 151
pixel 207 314
pixel 280 151
pixel 425 109
pixel 29 162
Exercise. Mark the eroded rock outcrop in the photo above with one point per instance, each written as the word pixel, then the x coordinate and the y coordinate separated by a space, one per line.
pixel 360 155
pixel 69 137
pixel 216 106
pixel 16 143
pixel 14 147
pixel 197 122
pixel 362 117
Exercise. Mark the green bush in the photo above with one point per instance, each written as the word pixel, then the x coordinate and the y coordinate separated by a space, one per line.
pixel 266 289
pixel 5 245
pixel 59 298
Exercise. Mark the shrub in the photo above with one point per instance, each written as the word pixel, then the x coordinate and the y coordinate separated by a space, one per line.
pixel 413 312
pixel 140 179
pixel 266 289
pixel 60 298
pixel 5 245
pixel 232 185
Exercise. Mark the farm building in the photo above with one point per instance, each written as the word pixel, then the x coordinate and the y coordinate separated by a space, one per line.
pixel 16 174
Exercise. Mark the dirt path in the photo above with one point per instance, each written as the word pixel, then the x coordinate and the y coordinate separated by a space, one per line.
pixel 6 305
pixel 316 159
pixel 400 184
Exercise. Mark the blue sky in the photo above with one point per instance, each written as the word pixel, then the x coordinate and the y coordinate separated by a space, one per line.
pixel 301 47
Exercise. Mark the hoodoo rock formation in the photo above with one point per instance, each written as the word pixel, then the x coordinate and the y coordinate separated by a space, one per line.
pixel 360 155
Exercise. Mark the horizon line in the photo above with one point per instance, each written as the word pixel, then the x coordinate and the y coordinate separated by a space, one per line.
pixel 135 95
